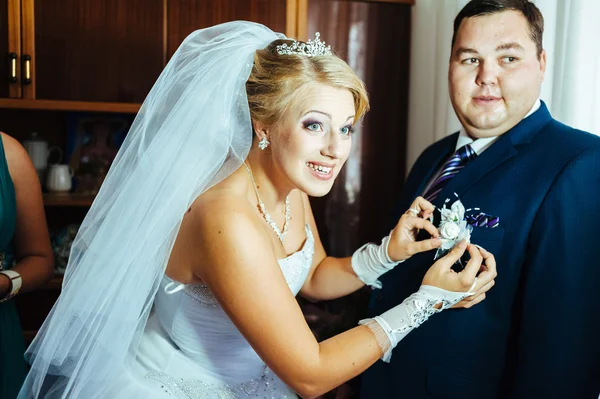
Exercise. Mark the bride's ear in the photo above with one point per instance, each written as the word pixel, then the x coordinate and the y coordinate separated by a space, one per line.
pixel 260 130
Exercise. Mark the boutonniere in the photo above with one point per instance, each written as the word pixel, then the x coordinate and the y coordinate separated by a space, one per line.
pixel 457 223
pixel 453 226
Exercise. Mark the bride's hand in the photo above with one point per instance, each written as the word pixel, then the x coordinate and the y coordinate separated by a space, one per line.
pixel 441 275
pixel 403 243
pixel 485 280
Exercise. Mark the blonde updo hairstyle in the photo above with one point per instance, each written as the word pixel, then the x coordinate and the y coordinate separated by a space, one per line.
pixel 277 82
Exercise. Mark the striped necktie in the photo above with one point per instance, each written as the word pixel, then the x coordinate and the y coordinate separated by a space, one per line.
pixel 458 161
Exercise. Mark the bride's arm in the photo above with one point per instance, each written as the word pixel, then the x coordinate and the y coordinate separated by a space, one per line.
pixel 235 259
pixel 331 278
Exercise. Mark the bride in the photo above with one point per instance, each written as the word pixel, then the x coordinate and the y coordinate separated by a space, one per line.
pixel 182 279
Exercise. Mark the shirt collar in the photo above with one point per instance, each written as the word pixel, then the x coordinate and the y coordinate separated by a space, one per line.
pixel 481 145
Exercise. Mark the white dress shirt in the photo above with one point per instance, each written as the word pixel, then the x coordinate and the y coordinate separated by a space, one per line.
pixel 479 145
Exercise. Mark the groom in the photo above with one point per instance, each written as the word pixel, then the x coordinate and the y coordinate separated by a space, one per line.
pixel 537 183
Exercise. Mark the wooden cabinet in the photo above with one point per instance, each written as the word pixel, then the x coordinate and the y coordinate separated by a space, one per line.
pixel 15 48
pixel 7 65
pixel 82 50
pixel 86 50
pixel 105 56
pixel 10 48
pixel 185 16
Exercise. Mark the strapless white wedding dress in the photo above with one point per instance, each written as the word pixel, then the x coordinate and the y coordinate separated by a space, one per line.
pixel 190 349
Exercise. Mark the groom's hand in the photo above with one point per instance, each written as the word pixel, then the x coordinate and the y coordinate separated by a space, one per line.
pixel 403 243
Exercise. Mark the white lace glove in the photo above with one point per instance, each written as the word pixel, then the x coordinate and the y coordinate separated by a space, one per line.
pixel 395 324
pixel 371 261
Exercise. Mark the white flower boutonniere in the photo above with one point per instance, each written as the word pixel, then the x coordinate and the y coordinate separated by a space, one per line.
pixel 453 227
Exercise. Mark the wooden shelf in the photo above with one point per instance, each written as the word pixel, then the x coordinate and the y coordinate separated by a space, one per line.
pixel 53 105
pixel 68 199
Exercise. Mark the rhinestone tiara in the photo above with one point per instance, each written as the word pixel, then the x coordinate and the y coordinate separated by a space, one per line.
pixel 310 49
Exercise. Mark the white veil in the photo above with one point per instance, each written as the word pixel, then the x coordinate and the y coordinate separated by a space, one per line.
pixel 192 131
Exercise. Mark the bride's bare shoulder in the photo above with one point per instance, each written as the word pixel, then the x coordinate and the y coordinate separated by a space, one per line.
pixel 211 229
pixel 220 214
pixel 220 228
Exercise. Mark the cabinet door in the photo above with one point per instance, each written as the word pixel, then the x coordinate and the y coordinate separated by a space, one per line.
pixel 185 16
pixel 89 50
pixel 4 50
pixel 10 48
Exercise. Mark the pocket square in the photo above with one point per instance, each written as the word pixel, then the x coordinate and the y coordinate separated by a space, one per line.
pixel 483 220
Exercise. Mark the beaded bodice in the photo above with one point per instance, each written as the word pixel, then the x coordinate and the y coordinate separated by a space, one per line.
pixel 201 330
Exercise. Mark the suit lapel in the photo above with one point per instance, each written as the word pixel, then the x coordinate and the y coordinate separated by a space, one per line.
pixel 422 172
pixel 501 151
pixel 432 165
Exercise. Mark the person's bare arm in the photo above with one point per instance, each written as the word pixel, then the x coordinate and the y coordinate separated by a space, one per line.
pixel 235 259
pixel 329 277
pixel 32 243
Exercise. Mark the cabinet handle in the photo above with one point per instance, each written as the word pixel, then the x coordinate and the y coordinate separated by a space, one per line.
pixel 12 67
pixel 27 69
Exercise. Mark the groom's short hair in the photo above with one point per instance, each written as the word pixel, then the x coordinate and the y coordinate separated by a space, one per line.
pixel 534 16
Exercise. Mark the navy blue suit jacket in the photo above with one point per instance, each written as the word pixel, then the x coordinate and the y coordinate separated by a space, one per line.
pixel 537 334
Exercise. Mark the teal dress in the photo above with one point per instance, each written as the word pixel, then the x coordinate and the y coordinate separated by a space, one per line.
pixel 12 347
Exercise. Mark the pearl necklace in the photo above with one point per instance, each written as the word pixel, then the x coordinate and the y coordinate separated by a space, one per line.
pixel 266 215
